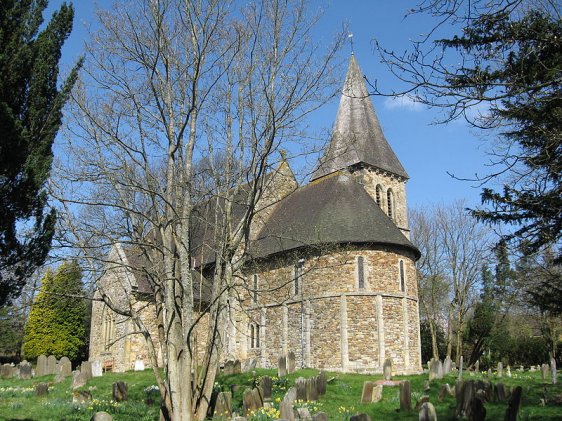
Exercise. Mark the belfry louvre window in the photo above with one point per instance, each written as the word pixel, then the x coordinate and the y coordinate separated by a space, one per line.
pixel 378 195
pixel 361 272
pixel 402 276
pixel 390 203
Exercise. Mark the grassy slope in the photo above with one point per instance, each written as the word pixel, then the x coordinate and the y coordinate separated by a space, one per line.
pixel 344 390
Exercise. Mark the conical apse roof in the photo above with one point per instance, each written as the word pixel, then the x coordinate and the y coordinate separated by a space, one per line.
pixel 357 136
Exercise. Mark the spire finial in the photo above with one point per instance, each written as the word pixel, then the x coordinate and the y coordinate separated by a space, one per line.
pixel 350 36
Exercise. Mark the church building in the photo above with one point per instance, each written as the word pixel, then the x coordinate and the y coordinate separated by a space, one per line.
pixel 333 277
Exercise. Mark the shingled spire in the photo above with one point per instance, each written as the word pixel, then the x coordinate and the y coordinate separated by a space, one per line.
pixel 357 137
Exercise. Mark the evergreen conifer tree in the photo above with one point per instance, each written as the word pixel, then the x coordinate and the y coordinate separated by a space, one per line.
pixel 30 116
pixel 57 320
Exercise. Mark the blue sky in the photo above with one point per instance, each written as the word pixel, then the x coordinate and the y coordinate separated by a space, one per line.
pixel 427 151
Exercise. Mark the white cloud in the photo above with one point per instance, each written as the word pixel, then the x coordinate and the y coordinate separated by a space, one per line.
pixel 404 102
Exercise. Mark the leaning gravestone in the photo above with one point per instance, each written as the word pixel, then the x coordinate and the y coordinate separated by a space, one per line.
pixel 120 391
pixel 367 395
pixel 554 373
pixel 427 412
pixel 251 401
pixel 86 368
pixel 405 396
pixel 360 417
pixel 447 365
pixel 291 363
pixel 51 364
pixel 25 370
pixel 291 394
pixel 477 412
pixel 97 368
pixel 500 369
pixel 266 383
pixel 79 379
pixel 322 380
pixel 513 405
pixel 423 399
pixel 444 392
pixel 286 410
pixel 282 366
pixel 41 367
pixel 223 407
pixel 387 369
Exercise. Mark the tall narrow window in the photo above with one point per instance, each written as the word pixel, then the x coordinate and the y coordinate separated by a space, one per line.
pixel 378 195
pixel 257 336
pixel 252 336
pixel 297 274
pixel 108 329
pixel 402 277
pixel 361 272
pixel 390 203
pixel 255 291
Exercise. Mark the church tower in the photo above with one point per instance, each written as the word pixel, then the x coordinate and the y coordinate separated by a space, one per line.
pixel 358 146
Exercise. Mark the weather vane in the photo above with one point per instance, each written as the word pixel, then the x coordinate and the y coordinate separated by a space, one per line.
pixel 350 36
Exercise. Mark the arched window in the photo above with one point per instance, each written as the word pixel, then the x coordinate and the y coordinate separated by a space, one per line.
pixel 390 203
pixel 402 276
pixel 378 195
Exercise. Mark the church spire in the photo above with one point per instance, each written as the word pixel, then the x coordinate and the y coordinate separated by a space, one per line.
pixel 357 137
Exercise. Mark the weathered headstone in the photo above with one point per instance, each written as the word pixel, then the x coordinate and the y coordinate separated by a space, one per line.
pixel 463 392
pixel 64 367
pixel 6 371
pixel 304 413
pixel 322 380
pixel 444 392
pixel 405 396
pixel 51 364
pixel 489 372
pixel 427 412
pixel 137 366
pixel 79 379
pixel 86 369
pixel 237 367
pixel 101 416
pixel 477 366
pixel 25 370
pixel 434 370
pixel 291 363
pixel 508 371
pixel 41 367
pixel 426 385
pixel 423 399
pixel 387 369
pixel 223 406
pixel 360 417
pixel 501 392
pixel 42 389
pixel 499 369
pixel 249 364
pixel 120 391
pixel 228 367
pixel 266 383
pixel 545 371
pixel 367 394
pixel 300 385
pixel 553 372
pixel 81 396
pixel 477 411
pixel 447 365
pixel 320 416
pixel 97 368
pixel 460 367
pixel 377 393
pixel 291 395
pixel 513 405
pixel 282 366
pixel 286 410
pixel 311 389
pixel 251 401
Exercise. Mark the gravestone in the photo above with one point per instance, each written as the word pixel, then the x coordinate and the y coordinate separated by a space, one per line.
pixel 513 405
pixel 42 389
pixel 500 392
pixel 311 389
pixel 360 417
pixel 223 406
pixel 81 396
pixel 545 370
pixel 477 366
pixel 320 416
pixel 463 393
pixel 387 369
pixel 291 363
pixel 427 412
pixel 237 367
pixel 251 401
pixel 120 392
pixel 489 372
pixel 86 369
pixel 367 394
pixel 460 367
pixel 139 366
pixel 6 371
pixel 249 364
pixel 291 394
pixel 426 386
pixel 228 368
pixel 41 367
pixel 303 413
pixel 434 369
pixel 553 372
pixel 477 412
pixel 25 370
pixel 377 393
pixel 282 367
pixel 423 399
pixel 79 379
pixel 444 392
pixel 322 383
pixel 500 369
pixel 51 364
pixel 266 384
pixel 300 385
pixel 508 371
pixel 101 416
pixel 97 368
pixel 447 365
pixel 405 396
pixel 64 367
pixel 286 410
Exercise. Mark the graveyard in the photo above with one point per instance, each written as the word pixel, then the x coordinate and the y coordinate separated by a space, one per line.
pixel 246 393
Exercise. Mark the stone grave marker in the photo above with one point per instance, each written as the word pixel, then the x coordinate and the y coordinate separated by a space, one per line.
pixel 81 396
pixel 282 366
pixel 266 384
pixel 426 386
pixel 291 362
pixel 120 391
pixel 86 368
pixel 303 413
pixel 447 365
pixel 320 416
pixel 499 369
pixel 101 416
pixel 228 368
pixel 463 394
pixel 300 385
pixel 545 370
pixel 423 399
pixel 42 389
pixel 237 367
pixel 51 364
pixel 6 371
pixel 249 364
pixel 377 393
pixel 25 370
pixel 41 367
pixel 79 379
pixel 553 372
pixel 138 366
pixel 444 392
pixel 286 409
pixel 311 389
pixel 434 369
pixel 387 369
pixel 291 394
pixel 367 394
pixel 508 371
pixel 513 405
pixel 477 366
pixel 360 417
pixel 97 368
pixel 322 383
pixel 405 396
pixel 501 392
pixel 427 412
pixel 477 412
pixel 489 372
pixel 251 401
pixel 65 367
pixel 223 406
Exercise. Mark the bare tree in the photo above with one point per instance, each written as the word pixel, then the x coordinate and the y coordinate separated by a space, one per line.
pixel 169 84
pixel 454 247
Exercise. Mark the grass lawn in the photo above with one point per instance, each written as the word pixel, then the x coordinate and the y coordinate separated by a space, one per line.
pixel 18 400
